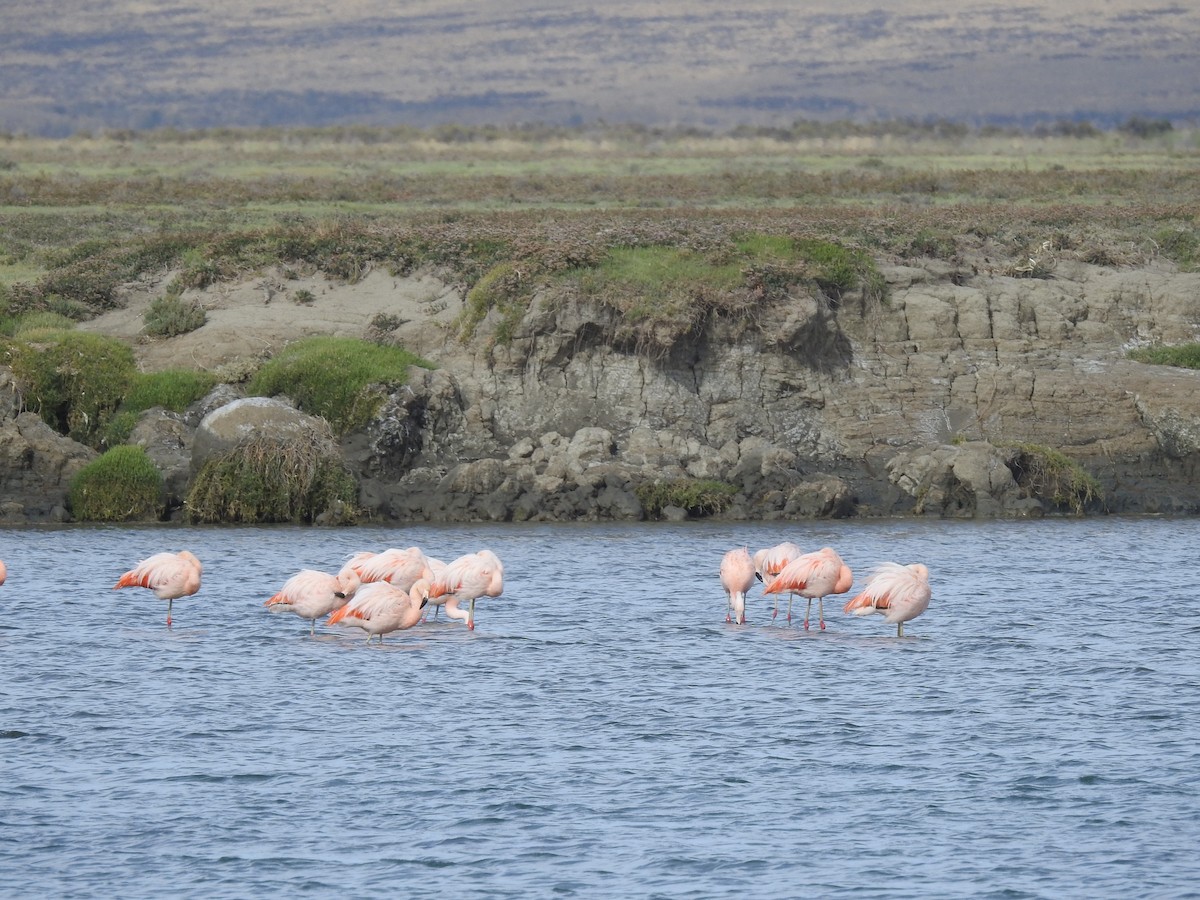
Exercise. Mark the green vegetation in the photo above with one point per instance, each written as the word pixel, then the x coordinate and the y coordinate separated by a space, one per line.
pixel 73 380
pixel 122 485
pixel 337 378
pixel 1186 356
pixel 502 287
pixel 699 497
pixel 267 479
pixel 172 389
pixel 1053 477
pixel 170 315
pixel 1180 245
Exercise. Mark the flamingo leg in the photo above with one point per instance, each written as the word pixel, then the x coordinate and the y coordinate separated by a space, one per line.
pixel 471 616
pixel 791 598
pixel 900 629
pixel 821 612
pixel 775 611
pixel 807 611
pixel 169 602
pixel 312 627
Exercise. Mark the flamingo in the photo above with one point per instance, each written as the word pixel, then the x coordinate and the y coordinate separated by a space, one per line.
pixel 3 572
pixel 380 608
pixel 402 568
pixel 899 593
pixel 770 561
pixel 467 579
pixel 311 594
pixel 815 574
pixel 737 577
pixel 437 567
pixel 169 575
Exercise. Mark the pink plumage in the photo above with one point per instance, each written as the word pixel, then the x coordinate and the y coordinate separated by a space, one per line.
pixel 899 593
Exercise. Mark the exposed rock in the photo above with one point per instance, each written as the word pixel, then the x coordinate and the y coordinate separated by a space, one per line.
pixel 235 423
pixel 810 408
pixel 36 468
pixel 167 439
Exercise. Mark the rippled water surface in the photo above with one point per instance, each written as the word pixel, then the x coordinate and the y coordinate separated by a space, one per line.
pixel 603 732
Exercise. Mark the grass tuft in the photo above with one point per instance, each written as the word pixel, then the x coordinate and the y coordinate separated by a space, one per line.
pixel 341 379
pixel 122 485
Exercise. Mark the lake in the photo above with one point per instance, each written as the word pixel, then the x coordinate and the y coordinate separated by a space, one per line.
pixel 603 732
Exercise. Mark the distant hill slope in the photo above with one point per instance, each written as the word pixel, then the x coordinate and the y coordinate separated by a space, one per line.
pixel 84 64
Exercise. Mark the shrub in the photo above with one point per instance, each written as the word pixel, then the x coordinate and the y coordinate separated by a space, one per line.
pixel 698 496
pixel 121 485
pixel 1054 477
pixel 171 315
pixel 267 479
pixel 75 381
pixel 1180 246
pixel 333 377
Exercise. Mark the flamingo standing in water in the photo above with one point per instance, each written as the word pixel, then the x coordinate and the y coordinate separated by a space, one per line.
pixel 813 575
pixel 379 608
pixel 770 561
pixel 466 580
pixel 169 575
pixel 311 594
pixel 3 572
pixel 737 577
pixel 899 593
pixel 402 568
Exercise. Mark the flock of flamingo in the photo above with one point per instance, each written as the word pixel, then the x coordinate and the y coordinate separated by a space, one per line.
pixel 899 593
pixel 377 592
pixel 389 591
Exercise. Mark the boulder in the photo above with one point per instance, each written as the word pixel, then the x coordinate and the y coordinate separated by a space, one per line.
pixel 235 423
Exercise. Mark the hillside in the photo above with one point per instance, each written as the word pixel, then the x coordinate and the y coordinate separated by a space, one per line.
pixel 74 65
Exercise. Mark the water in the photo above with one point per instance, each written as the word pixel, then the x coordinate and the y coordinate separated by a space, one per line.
pixel 603 732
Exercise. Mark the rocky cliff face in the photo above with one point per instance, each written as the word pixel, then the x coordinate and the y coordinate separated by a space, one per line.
pixel 815 408
pixel 922 404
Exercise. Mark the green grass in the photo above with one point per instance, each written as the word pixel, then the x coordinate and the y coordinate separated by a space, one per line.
pixel 699 497
pixel 122 485
pixel 1055 478
pixel 265 480
pixel 335 378
pixel 1185 356
pixel 75 381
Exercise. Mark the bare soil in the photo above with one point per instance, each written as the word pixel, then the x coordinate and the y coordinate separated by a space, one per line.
pixel 250 321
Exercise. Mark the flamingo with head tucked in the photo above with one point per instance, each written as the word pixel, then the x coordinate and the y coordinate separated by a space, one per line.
pixel 311 594
pixel 402 568
pixel 899 593
pixel 379 608
pixel 814 575
pixel 737 577
pixel 169 575
pixel 466 580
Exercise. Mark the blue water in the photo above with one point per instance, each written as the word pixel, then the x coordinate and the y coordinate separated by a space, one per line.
pixel 603 732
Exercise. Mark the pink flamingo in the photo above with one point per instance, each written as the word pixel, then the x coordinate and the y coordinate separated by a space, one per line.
pixel 402 568
pixel 899 593
pixel 771 561
pixel 311 594
pixel 815 574
pixel 380 608
pixel 169 575
pixel 737 577
pixel 3 572
pixel 467 579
